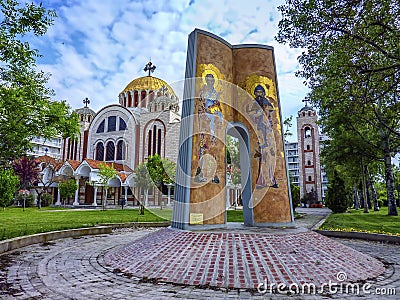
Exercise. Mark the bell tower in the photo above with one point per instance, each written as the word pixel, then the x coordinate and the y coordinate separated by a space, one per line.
pixel 309 153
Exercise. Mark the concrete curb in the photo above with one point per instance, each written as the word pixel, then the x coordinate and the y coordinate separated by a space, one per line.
pixel 136 224
pixel 18 242
pixel 393 239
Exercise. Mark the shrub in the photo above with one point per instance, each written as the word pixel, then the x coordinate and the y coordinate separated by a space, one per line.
pixel 337 198
pixel 46 199
pixel 29 200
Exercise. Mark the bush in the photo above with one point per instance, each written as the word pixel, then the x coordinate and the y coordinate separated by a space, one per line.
pixel 29 201
pixel 337 198
pixel 46 199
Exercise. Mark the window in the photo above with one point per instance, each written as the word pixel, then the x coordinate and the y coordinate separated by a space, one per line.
pixel 101 127
pixel 309 178
pixel 99 151
pixel 110 151
pixel 159 142
pixel 307 132
pixel 149 144
pixel 308 147
pixel 120 150
pixel 309 163
pixel 112 123
pixel 122 124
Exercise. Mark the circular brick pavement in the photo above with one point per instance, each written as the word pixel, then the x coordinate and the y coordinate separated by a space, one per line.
pixel 241 260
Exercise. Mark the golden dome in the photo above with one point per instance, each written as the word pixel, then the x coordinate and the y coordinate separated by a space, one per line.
pixel 148 83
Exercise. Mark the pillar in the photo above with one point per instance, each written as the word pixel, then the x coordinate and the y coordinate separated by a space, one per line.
pixel 58 197
pixel 95 196
pixel 126 195
pixel 76 201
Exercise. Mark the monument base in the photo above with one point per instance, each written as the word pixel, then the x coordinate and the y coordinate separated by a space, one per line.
pixel 240 259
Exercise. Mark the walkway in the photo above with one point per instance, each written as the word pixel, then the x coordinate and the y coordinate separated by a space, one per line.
pixel 76 269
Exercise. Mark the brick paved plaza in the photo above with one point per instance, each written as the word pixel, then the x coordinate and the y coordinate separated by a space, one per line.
pixel 82 268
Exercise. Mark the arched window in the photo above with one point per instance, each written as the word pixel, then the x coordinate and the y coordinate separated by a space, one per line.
pixel 112 123
pixel 308 147
pixel 99 151
pixel 307 132
pixel 309 163
pixel 110 151
pixel 120 150
pixel 101 127
pixel 159 142
pixel 309 178
pixel 122 124
pixel 136 98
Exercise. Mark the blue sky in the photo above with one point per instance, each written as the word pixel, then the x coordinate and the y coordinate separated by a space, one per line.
pixel 95 48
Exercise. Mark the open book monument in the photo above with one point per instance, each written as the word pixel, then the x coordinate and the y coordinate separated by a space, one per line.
pixel 230 90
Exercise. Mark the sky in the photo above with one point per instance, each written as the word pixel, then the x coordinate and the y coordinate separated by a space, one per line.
pixel 95 48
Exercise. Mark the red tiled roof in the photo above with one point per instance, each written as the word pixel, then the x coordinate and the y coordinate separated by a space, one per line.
pixel 123 176
pixel 57 164
pixel 74 163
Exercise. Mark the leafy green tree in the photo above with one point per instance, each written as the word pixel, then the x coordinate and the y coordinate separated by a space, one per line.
pixel 143 182
pixel 351 64
pixel 106 173
pixel 161 171
pixel 337 197
pixel 25 105
pixel 8 185
pixel 67 188
pixel 295 190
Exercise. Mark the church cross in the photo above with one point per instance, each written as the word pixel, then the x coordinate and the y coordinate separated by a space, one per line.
pixel 86 101
pixel 305 100
pixel 149 67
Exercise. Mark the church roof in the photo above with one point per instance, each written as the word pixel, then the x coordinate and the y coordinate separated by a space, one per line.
pixel 148 83
pixel 85 111
pixel 305 108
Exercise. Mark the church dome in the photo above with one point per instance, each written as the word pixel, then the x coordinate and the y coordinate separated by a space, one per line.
pixel 149 94
pixel 149 83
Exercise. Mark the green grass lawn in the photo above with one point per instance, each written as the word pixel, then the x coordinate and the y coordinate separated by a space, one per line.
pixel 357 220
pixel 15 222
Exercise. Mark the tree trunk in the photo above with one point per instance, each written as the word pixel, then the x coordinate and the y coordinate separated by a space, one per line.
pixel 372 190
pixel 39 200
pixel 392 211
pixel 146 202
pixel 364 186
pixel 356 199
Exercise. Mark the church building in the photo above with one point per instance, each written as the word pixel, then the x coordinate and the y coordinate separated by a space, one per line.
pixel 144 122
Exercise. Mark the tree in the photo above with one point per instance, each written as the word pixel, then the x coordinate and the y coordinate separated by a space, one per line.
pixel 25 105
pixel 337 198
pixel 161 171
pixel 106 173
pixel 8 185
pixel 144 183
pixel 47 168
pixel 67 188
pixel 28 172
pixel 351 63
